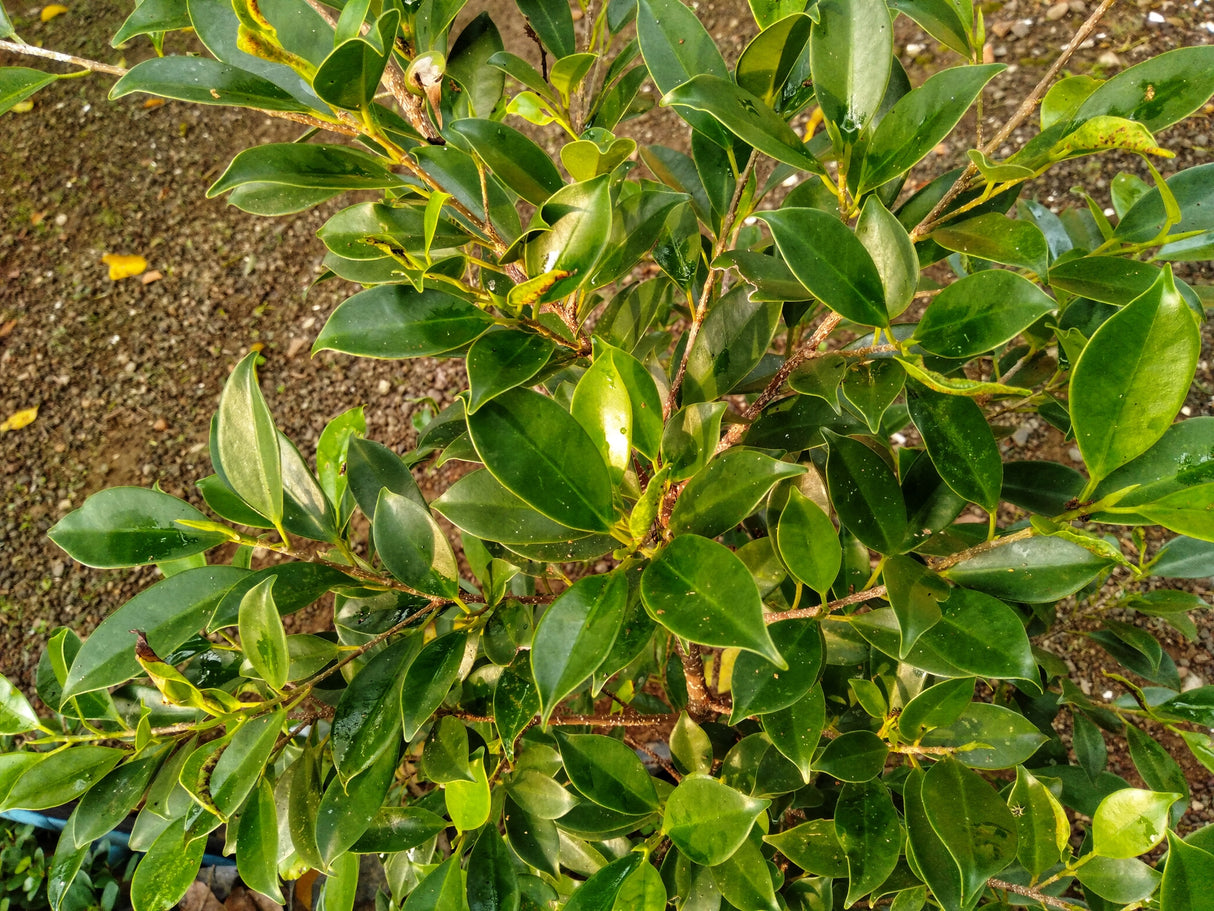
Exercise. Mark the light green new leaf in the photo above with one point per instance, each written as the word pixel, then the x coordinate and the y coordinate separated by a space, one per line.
pixel 1133 377
pixel 536 449
pixel 889 244
pixel 707 820
pixel 576 634
pixel 603 406
pixel 1131 822
pixel 16 714
pixel 246 442
pixel 1041 823
pixel 262 636
pixel 701 590
pixel 831 262
pixel 468 802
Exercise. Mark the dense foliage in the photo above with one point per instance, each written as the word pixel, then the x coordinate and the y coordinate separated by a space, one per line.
pixel 748 605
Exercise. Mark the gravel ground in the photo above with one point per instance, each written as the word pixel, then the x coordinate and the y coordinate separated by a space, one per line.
pixel 125 374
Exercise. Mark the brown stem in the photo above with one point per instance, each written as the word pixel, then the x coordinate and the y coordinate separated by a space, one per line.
pixel 934 217
pixel 1035 894
pixel 817 610
pixel 700 704
pixel 597 721
pixel 660 760
pixel 93 66
pixel 943 563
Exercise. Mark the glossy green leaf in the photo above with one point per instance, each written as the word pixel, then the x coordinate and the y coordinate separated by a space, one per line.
pixel 540 453
pixel 760 687
pixel 414 549
pixel 361 231
pixel 442 889
pixel 303 802
pixel 707 820
pixel 915 594
pixel 608 772
pixel 395 829
pixel 306 511
pixel 689 746
pixel 169 613
pixel 1157 92
pixel 746 116
pixel 1109 279
pixel 553 22
pixel 795 730
pixel 148 18
pixel 457 174
pixel 989 736
pixel 1189 512
pixel 701 590
pixel 850 58
pixel 445 754
pixel 1159 769
pixel 300 584
pixel 831 262
pixel 645 401
pixel 765 64
pixel 521 164
pixel 479 505
pixel 1178 461
pixel 1041 823
pixel 200 80
pixel 1187 875
pixel 372 467
pixel 503 360
pixel 367 718
pixel 602 405
pixel 395 321
pixel 576 634
pixel 690 437
pixel 732 341
pixel 676 47
pixel 726 491
pixel 853 756
pixel 166 871
pixel 350 75
pixel 244 760
pixel 562 259
pixel 1036 570
pixel 643 890
pixel 999 239
pixel 980 312
pixel 893 253
pixel 60 777
pixel 1133 377
pixel 540 795
pixel 468 802
pixel 919 121
pixel 1190 190
pixel 1130 822
pixel 961 446
pixel 870 835
pixel 814 847
pixel 599 891
pixel 16 714
pixel 745 879
pixel 246 442
pixel 808 542
pixel 972 821
pixel 1118 880
pixel 262 636
pixel 18 83
pixel 492 882
pixel 865 494
pixel 429 678
pixel 109 802
pixel 940 704
pixel 285 178
pixel 872 387
pixel 257 844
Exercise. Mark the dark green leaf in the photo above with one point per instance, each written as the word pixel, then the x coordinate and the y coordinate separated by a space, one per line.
pixel 759 687
pixel 562 259
pixel 492 882
pixel 745 879
pixel 349 76
pixel 442 889
pixel 1109 279
pixel 999 239
pixel 872 387
pixel 538 451
pixel 893 253
pixel 915 594
pixel 851 57
pixel 503 360
pixel 690 438
pixel 765 64
pixel 707 820
pixel 795 730
pixel 865 494
pixel 576 634
pixel 521 164
pixel 960 443
pixel 599 891
pixel 347 806
pixel 478 504
pixel 981 312
pixel 300 584
pixel 936 706
pixel 200 80
pixel 18 83
pixel 372 467
pixel 1187 875
pixel 919 120
pixel 395 829
pixel 367 719
pixel 853 756
pixel 429 678
pixel 1133 377
pixel 395 321
pixel 166 871
pixel 148 18
pixel 456 172
pixel 553 22
pixel 746 116
pixel 939 18
pixel 988 736
pixel 112 799
pixel 727 491
pixel 732 340
pixel 361 232
pixel 1036 570
pixel 169 613
pixel 870 835
pixel 608 772
pixel 831 262
pixel 413 547
pixel 677 47
pixel 257 844
pixel 700 590
pixel 1157 92
pixel 814 847
pixel 57 778
pixel 808 542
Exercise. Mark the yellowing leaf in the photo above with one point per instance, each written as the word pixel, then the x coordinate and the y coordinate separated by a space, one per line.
pixel 53 10
pixel 19 419
pixel 22 107
pixel 122 266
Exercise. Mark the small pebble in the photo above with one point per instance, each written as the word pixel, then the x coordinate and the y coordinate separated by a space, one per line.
pixel 384 387
pixel 1075 454
pixel 1057 11
pixel 1021 27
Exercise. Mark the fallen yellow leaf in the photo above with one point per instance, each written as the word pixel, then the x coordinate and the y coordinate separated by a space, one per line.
pixel 22 107
pixel 122 266
pixel 19 419
pixel 53 10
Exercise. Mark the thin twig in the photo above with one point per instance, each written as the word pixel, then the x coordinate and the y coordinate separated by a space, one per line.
pixel 816 610
pixel 1035 894
pixel 93 66
pixel 935 216
pixel 699 701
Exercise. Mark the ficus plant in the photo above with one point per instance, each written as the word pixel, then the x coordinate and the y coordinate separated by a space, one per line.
pixel 748 603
